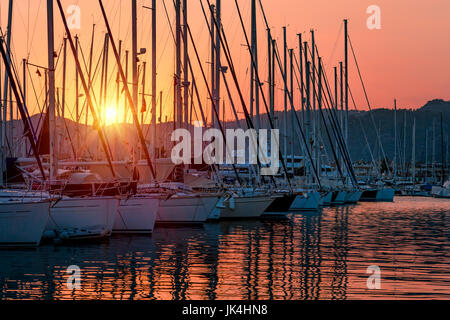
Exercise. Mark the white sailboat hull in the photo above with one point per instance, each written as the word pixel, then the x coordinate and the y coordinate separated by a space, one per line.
pixel 326 199
pixel 185 209
pixel 386 195
pixel 353 196
pixel 136 215
pixel 340 197
pixel 245 207
pixel 23 223
pixel 308 202
pixel 83 217
pixel 440 192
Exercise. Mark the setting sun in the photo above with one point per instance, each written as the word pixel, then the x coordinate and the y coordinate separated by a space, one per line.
pixel 110 115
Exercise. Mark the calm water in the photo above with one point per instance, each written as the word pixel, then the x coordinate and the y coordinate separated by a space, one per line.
pixel 309 256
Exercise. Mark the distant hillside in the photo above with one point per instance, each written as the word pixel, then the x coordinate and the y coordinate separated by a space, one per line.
pixel 123 141
pixel 427 118
pixel 383 119
pixel 437 106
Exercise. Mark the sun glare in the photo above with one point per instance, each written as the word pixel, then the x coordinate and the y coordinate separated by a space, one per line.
pixel 110 115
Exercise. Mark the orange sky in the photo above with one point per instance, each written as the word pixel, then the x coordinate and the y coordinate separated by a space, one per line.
pixel 407 59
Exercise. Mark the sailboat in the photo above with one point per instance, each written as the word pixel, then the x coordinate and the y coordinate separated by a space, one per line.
pixel 22 220
pixel 136 214
pixel 238 206
pixel 185 208
pixel 441 192
pixel 306 201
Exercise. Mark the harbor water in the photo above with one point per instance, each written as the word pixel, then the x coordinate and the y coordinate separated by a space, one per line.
pixel 311 255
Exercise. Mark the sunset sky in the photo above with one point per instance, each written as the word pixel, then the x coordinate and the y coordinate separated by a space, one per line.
pixel 407 59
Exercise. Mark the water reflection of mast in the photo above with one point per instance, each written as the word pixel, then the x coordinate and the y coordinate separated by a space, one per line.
pixel 180 281
pixel 309 227
pixel 340 249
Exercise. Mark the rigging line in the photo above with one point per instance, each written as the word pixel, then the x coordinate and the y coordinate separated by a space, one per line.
pixel 34 27
pixel 211 97
pixel 336 128
pixel 223 40
pixel 256 71
pixel 128 94
pixel 215 167
pixel 190 69
pixel 320 107
pixel 14 71
pixel 86 89
pixel 26 121
pixel 323 118
pixel 276 52
pixel 34 91
pixel 230 63
pixel 368 104
pixel 68 134
pixel 91 80
pixel 336 42
pixel 327 131
pixel 363 130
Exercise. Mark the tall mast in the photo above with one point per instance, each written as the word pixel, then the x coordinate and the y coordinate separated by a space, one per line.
pixel 395 139
pixel 213 69
pixel 179 106
pixel 117 102
pixel 118 86
pixel 285 133
pixel 178 102
pixel 105 93
pixel 102 81
pixel 51 92
pixel 185 67
pixel 272 85
pixel 154 140
pixel 134 53
pixel 24 87
pixel 341 113
pixel 302 95
pixel 346 78
pixel 341 81
pixel 404 144
pixel 254 88
pixel 308 106
pixel 134 62
pixel 270 75
pixel 217 57
pixel 336 102
pixel 5 96
pixel 77 104
pixel 442 151
pixel 319 107
pixel 143 103
pixel 91 56
pixel 63 103
pixel 413 164
pixel 313 85
pixel 291 60
pixel 426 155
pixel 125 111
